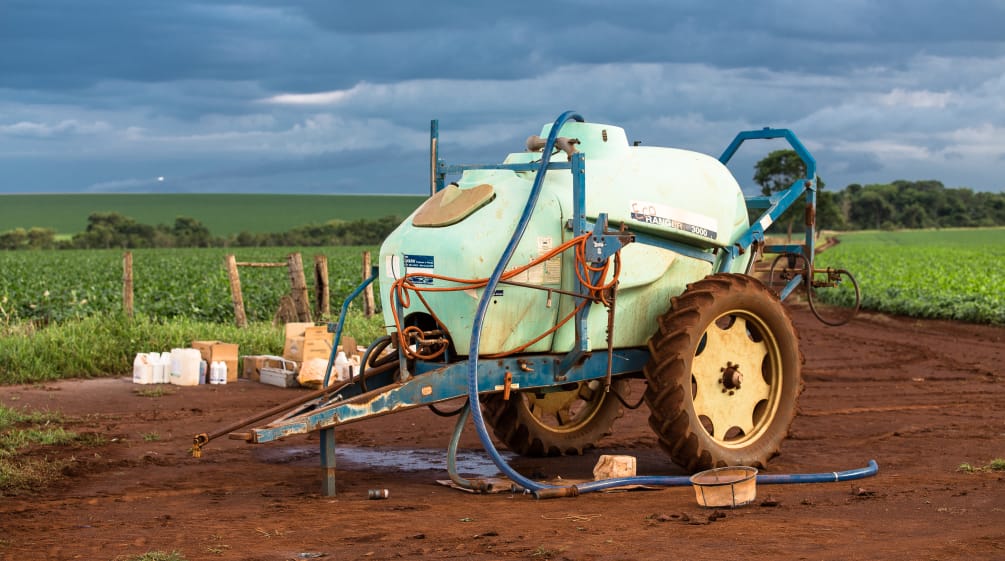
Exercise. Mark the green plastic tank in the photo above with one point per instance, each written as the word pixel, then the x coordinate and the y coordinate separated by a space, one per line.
pixel 462 230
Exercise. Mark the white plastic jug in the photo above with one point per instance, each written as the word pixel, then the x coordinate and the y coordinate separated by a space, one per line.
pixel 341 367
pixel 143 372
pixel 218 372
pixel 158 367
pixel 185 367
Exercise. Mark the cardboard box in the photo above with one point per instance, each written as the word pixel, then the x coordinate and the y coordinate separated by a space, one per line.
pixel 251 365
pixel 317 343
pixel 293 348
pixel 213 351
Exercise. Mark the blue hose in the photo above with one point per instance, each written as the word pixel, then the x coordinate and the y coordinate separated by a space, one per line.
pixel 483 304
pixel 544 490
pixel 684 480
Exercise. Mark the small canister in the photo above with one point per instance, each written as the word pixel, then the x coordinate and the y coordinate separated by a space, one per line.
pixel 377 494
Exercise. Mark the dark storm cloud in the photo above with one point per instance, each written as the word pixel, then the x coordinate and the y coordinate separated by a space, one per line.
pixel 330 45
pixel 232 95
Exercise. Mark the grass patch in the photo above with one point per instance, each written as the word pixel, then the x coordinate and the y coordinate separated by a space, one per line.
pixel 17 439
pixel 22 474
pixel 153 556
pixel 105 345
pixel 997 464
pixel 151 437
pixel 10 417
pixel 21 429
pixel 156 391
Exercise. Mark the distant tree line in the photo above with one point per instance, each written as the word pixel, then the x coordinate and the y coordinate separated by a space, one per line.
pixel 888 206
pixel 110 230
pixel 917 204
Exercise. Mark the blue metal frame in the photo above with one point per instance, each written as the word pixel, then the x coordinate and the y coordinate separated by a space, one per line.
pixel 374 272
pixel 441 383
pixel 774 205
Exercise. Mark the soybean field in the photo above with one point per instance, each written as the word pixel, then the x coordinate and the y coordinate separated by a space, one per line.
pixel 51 286
pixel 948 274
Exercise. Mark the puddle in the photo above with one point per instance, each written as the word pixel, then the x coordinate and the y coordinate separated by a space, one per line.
pixel 469 462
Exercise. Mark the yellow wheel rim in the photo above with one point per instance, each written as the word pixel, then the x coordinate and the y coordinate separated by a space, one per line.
pixel 736 378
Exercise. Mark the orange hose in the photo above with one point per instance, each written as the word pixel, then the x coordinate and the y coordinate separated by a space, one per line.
pixel 401 287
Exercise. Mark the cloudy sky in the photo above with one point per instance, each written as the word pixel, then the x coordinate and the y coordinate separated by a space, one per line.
pixel 332 96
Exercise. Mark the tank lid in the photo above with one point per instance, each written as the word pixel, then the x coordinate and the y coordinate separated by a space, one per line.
pixel 596 140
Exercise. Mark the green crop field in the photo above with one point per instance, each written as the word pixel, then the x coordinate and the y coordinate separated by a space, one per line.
pixel 951 274
pixel 168 283
pixel 223 214
pixel 954 274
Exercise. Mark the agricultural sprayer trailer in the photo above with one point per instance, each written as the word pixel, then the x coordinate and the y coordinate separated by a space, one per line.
pixel 539 287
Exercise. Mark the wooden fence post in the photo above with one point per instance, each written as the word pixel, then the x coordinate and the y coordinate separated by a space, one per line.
pixel 321 296
pixel 298 287
pixel 369 306
pixel 127 283
pixel 235 291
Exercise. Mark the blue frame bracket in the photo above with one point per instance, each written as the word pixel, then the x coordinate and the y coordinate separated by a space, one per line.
pixel 775 205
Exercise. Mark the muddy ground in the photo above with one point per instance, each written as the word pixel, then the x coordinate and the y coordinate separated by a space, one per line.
pixel 919 397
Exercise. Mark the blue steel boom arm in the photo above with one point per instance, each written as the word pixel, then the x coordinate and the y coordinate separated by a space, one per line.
pixel 775 205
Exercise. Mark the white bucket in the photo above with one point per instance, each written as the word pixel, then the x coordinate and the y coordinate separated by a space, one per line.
pixel 143 372
pixel 725 487
pixel 185 367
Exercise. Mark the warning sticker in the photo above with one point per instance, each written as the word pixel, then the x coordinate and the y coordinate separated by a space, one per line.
pixel 674 218
pixel 553 266
pixel 419 264
pixel 548 272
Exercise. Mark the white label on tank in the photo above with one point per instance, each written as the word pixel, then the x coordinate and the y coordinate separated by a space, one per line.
pixel 553 266
pixel 549 272
pixel 674 218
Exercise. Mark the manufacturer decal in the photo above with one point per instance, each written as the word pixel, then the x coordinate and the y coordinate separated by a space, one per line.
pixel 675 219
pixel 419 264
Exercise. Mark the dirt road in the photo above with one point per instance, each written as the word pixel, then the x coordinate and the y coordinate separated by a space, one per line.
pixel 919 397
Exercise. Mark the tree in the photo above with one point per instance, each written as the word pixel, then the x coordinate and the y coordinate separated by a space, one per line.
pixel 14 239
pixel 872 210
pixel 777 172
pixel 189 232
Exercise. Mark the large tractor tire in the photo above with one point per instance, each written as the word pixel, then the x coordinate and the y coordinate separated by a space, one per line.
pixel 724 374
pixel 562 423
